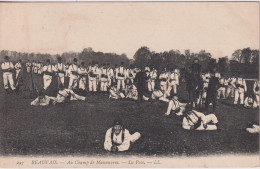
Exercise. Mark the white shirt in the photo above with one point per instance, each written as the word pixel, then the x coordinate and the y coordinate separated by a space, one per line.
pixel 7 65
pixel 124 145
pixel 18 65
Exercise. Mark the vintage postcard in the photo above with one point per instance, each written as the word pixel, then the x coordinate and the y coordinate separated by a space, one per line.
pixel 129 84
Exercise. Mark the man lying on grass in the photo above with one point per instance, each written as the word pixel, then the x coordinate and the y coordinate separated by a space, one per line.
pixel 118 138
pixel 194 120
pixel 63 95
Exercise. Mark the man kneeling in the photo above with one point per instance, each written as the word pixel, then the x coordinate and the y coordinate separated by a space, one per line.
pixel 194 120
pixel 118 138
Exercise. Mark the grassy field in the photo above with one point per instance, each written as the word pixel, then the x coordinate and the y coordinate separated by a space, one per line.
pixel 79 127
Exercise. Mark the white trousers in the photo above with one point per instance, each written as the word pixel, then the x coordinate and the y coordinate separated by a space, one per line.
pixel 103 86
pixel 171 86
pixel 92 85
pixel 46 81
pixel 257 96
pixel 82 83
pixel 8 77
pixel 61 79
pixel 208 119
pixel 28 69
pixel 239 94
pixel 254 129
pixel 120 83
pixel 17 73
pixel 221 93
pixel 151 84
pixel 73 82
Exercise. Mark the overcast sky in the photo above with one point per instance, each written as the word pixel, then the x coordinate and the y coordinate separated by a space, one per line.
pixel 218 27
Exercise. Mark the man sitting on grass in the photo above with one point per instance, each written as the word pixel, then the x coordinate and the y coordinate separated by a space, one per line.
pixel 43 100
pixel 118 138
pixel 132 93
pixel 63 95
pixel 175 106
pixel 194 120
pixel 160 95
pixel 115 93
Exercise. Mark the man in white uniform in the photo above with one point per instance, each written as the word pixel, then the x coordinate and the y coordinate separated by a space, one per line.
pixel 28 66
pixel 18 68
pixel 194 120
pixel 175 106
pixel 120 76
pixel 172 83
pixel 92 78
pixel 151 80
pixel 118 138
pixel 60 67
pixel 240 90
pixel 8 70
pixel 104 79
pixel 48 71
pixel 256 90
pixel 163 81
pixel 73 71
pixel 82 77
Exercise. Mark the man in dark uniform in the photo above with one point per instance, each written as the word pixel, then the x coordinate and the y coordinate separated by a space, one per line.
pixel 196 67
pixel 140 80
pixel 212 92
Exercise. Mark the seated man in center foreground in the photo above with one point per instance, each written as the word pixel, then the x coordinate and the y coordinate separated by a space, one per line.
pixel 118 138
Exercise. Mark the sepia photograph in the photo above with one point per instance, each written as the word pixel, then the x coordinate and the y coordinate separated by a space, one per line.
pixel 129 84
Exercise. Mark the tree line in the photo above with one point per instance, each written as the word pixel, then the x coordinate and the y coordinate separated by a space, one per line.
pixel 88 56
pixel 244 61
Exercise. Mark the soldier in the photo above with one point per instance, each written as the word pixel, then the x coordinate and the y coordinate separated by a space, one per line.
pixel 175 106
pixel 73 71
pixel 163 81
pixel 35 68
pixel 196 67
pixel 118 138
pixel 206 78
pixel 67 69
pixel 111 76
pixel 8 70
pixel 172 83
pixel 194 120
pixel 160 95
pixel 103 79
pixel 221 93
pixel 240 90
pixel 250 102
pixel 28 66
pixel 92 77
pixel 115 93
pixel 18 68
pixel 121 76
pixel 212 92
pixel 151 81
pixel 256 91
pixel 40 65
pixel 82 77
pixel 48 71
pixel 60 67
pixel 140 80
pixel 231 87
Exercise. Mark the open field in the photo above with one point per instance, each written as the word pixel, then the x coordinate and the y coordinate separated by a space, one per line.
pixel 79 127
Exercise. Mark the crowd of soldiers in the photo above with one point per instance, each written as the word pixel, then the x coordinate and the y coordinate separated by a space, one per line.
pixel 122 82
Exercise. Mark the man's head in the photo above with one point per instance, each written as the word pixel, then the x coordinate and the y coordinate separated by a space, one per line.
pixel 117 126
pixel 48 61
pixel 75 60
pixel 6 58
pixel 59 59
pixel 188 108
pixel 175 97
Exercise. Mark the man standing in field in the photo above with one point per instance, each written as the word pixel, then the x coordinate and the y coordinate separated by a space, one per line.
pixel 8 70
pixel 73 71
pixel 140 80
pixel 60 67
pixel 212 92
pixel 48 71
